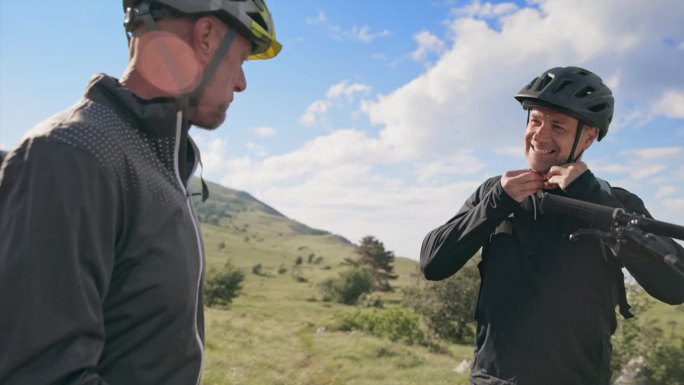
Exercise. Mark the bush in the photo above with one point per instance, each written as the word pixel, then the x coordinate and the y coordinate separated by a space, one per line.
pixel 395 323
pixel 348 286
pixel 633 338
pixel 641 338
pixel 369 300
pixel 448 306
pixel 665 364
pixel 222 286
pixel 257 269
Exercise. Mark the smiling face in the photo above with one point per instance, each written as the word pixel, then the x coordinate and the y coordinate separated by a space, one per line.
pixel 549 138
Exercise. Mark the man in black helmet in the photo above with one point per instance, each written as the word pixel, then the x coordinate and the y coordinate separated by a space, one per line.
pixel 546 308
pixel 101 257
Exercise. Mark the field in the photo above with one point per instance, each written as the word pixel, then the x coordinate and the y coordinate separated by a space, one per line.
pixel 276 332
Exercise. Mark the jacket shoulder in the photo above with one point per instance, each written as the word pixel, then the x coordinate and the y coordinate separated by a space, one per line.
pixel 630 200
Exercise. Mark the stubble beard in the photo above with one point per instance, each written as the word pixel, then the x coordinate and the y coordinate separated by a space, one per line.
pixel 213 121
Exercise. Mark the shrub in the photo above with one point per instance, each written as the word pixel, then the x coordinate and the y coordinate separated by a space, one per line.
pixel 348 286
pixel 448 306
pixel 222 286
pixel 665 364
pixel 257 269
pixel 642 338
pixel 395 323
pixel 369 300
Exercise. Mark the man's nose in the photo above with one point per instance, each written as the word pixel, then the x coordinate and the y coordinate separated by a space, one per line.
pixel 542 132
pixel 241 83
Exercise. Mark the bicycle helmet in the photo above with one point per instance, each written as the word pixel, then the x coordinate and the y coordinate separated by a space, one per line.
pixel 251 18
pixel 573 91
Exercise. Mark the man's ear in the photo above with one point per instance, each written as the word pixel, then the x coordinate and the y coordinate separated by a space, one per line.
pixel 589 135
pixel 206 38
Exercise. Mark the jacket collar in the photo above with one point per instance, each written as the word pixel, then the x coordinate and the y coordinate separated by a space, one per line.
pixel 156 118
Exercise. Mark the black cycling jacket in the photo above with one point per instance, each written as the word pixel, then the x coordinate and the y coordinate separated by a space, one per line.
pixel 546 309
pixel 101 258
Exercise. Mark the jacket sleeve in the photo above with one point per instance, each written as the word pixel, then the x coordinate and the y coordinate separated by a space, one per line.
pixel 644 264
pixel 57 239
pixel 448 247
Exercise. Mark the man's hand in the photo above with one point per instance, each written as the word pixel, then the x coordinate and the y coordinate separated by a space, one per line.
pixel 519 184
pixel 562 176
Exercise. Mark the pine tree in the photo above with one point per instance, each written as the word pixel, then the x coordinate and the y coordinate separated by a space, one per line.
pixel 372 254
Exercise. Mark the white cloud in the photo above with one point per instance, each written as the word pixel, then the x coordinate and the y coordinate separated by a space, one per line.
pixel 256 149
pixel 427 44
pixel 264 132
pixel 337 95
pixel 320 18
pixel 310 116
pixel 213 153
pixel 671 105
pixel 665 191
pixel 676 204
pixel 512 151
pixel 458 164
pixel 363 34
pixel 486 10
pixel 658 153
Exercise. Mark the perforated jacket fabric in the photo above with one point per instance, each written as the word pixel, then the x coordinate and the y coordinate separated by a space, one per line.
pixel 101 259
pixel 546 308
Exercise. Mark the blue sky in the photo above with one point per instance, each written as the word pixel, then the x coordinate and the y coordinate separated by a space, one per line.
pixel 381 117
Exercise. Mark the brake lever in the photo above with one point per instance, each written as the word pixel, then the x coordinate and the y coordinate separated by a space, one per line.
pixel 613 239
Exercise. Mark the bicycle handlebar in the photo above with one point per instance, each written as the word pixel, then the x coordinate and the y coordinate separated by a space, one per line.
pixel 607 218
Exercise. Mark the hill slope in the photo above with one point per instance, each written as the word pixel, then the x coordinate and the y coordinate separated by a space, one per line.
pixel 242 228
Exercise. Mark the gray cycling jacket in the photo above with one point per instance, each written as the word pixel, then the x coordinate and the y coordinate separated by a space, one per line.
pixel 101 258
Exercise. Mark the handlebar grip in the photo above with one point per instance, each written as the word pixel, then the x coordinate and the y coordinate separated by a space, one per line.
pixel 603 217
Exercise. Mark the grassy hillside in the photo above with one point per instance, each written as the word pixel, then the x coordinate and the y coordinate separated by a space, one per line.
pixel 277 330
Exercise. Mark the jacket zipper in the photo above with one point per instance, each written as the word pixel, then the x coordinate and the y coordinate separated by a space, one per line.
pixel 179 127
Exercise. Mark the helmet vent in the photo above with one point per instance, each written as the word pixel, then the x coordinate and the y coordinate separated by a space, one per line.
pixel 542 83
pixel 584 92
pixel 259 19
pixel 562 85
pixel 598 107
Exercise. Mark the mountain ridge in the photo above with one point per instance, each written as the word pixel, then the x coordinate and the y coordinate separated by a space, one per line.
pixel 226 206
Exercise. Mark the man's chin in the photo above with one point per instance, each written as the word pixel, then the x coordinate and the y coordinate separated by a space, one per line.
pixel 538 167
pixel 209 123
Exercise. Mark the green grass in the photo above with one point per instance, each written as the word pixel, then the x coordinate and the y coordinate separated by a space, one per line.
pixel 273 332
pixel 669 318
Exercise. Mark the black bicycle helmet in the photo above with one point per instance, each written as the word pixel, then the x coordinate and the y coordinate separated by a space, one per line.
pixel 574 91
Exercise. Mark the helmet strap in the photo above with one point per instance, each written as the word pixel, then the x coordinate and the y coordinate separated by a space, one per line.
pixel 571 157
pixel 188 102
